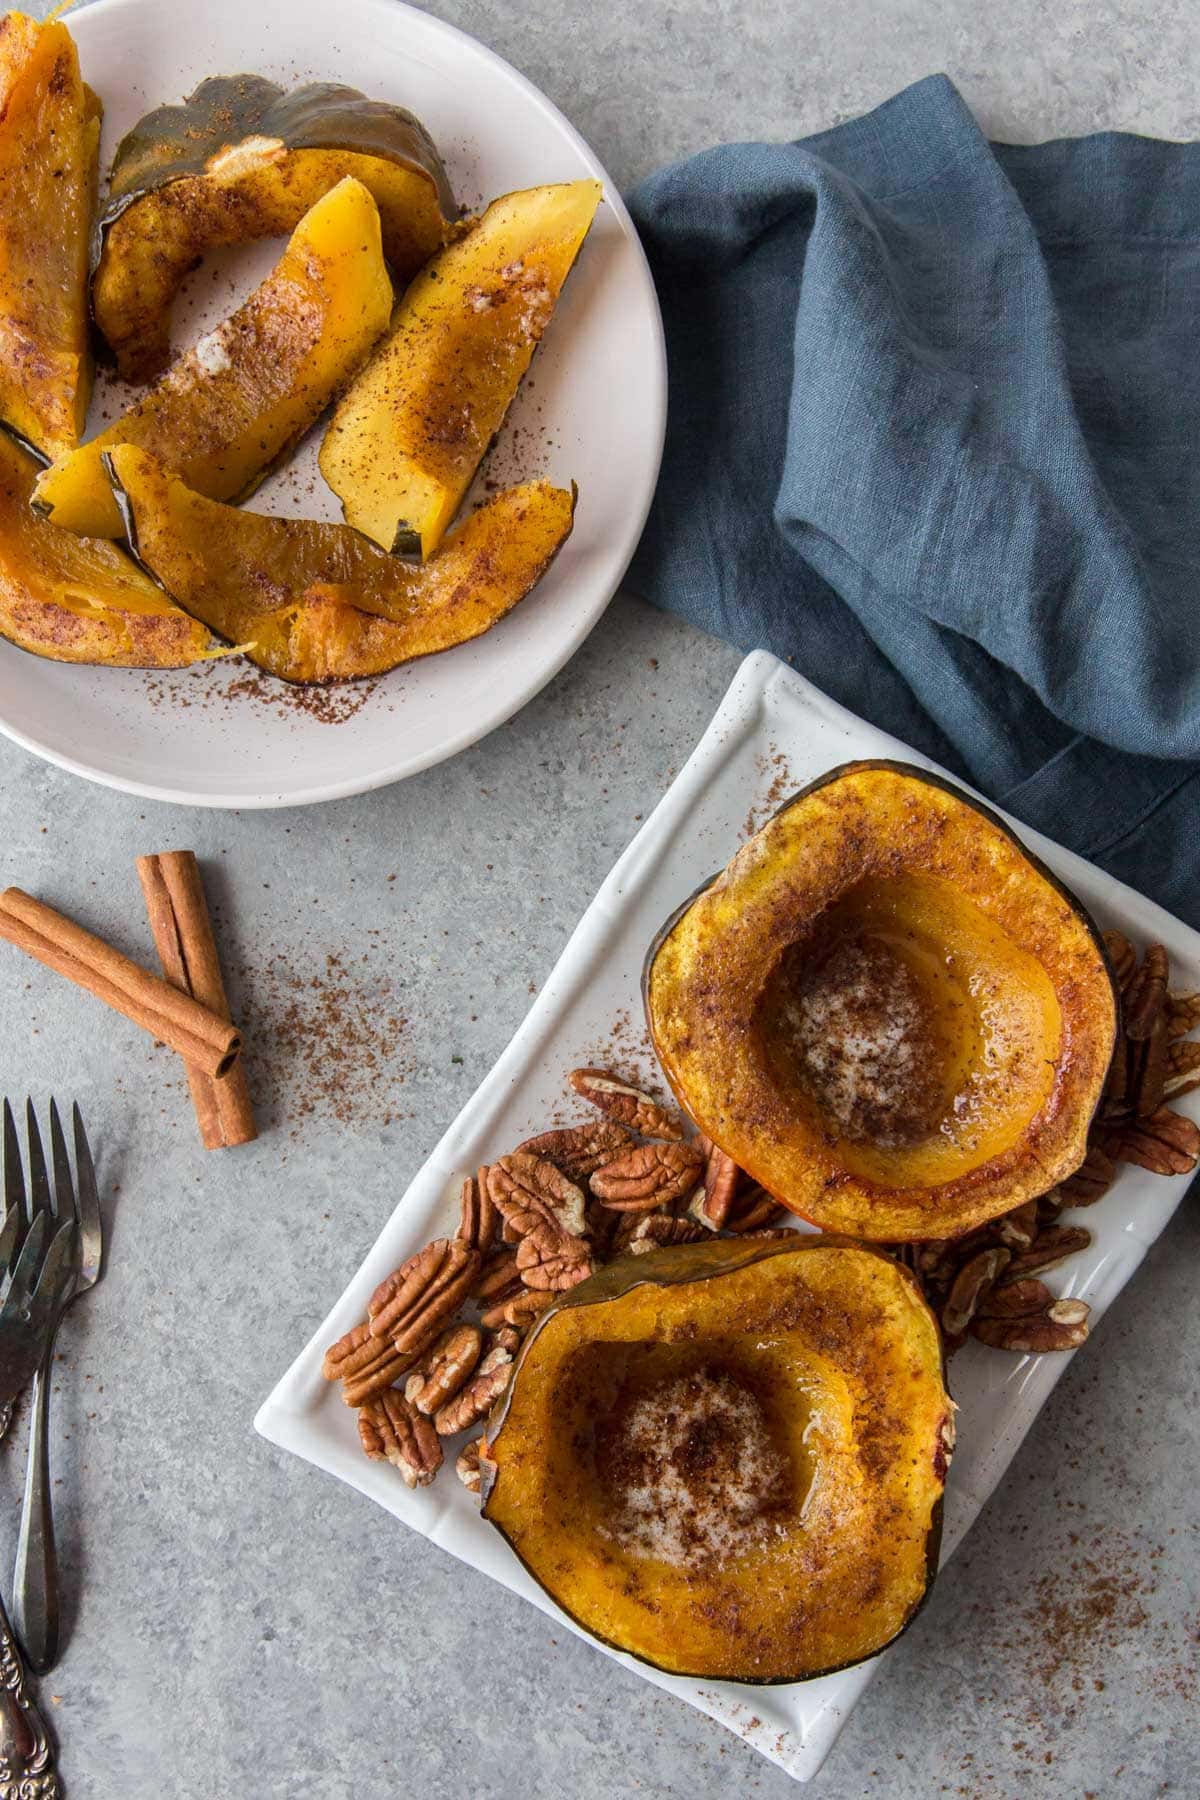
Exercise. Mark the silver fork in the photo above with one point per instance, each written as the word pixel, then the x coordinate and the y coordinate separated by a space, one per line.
pixel 36 1279
pixel 35 1582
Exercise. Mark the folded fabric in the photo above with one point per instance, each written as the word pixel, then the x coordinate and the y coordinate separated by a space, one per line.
pixel 934 438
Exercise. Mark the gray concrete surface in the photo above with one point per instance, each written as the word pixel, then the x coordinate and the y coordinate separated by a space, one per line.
pixel 243 1626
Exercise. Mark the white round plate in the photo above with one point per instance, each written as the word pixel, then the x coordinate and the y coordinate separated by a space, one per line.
pixel 592 410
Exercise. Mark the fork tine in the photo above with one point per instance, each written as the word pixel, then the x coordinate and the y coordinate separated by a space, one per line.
pixel 60 1162
pixel 40 1197
pixel 51 1274
pixel 10 1239
pixel 91 1226
pixel 28 1264
pixel 14 1180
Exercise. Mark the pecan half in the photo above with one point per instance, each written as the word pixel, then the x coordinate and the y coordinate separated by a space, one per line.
pixel 466 1466
pixel 755 1208
pixel 1063 1325
pixel 364 1364
pixel 1050 1207
pixel 1018 1228
pixel 656 1230
pixel 1051 1246
pixel 970 1288
pixel 391 1428
pixel 1146 994
pixel 477 1219
pixel 499 1272
pixel 1091 1180
pixel 553 1260
pixel 518 1310
pixel 495 1313
pixel 1183 1070
pixel 480 1394
pixel 416 1300
pixel 627 1104
pixel 722 1178
pixel 1167 1143
pixel 578 1150
pixel 1122 956
pixel 1114 1102
pixel 527 1189
pixel 601 1227
pixel 1016 1299
pixel 445 1368
pixel 695 1209
pixel 1148 1070
pixel 1183 1014
pixel 648 1177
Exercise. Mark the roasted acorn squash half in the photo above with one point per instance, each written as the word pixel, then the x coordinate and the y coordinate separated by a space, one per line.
pixel 886 1010
pixel 240 159
pixel 81 600
pixel 408 435
pixel 728 1459
pixel 49 138
pixel 312 602
pixel 226 411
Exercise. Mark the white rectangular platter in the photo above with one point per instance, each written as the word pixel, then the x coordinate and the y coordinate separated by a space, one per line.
pixel 773 732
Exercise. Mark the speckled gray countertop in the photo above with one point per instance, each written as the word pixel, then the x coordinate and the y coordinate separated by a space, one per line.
pixel 241 1625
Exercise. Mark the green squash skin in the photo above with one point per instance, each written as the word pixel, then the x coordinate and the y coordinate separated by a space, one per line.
pixel 177 141
pixel 915 773
pixel 669 1267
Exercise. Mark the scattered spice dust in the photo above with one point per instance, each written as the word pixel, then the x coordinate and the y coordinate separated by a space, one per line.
pixel 330 1045
pixel 778 782
pixel 327 705
pixel 203 688
pixel 1099 1615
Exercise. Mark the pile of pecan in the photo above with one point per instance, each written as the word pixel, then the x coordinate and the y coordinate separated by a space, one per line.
pixel 988 1284
pixel 437 1347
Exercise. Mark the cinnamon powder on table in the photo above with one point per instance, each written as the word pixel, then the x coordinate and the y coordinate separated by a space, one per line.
pixel 329 1045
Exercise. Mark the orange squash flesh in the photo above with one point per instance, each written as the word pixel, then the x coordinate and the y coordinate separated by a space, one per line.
pixel 1012 978
pixel 227 410
pixel 81 600
pixel 49 139
pixel 313 602
pixel 843 1358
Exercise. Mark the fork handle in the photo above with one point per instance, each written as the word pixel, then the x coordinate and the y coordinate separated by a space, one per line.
pixel 35 1579
pixel 26 1754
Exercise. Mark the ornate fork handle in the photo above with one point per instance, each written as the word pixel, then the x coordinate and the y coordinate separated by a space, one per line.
pixel 27 1769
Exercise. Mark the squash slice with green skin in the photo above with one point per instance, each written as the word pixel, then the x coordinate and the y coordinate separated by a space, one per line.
pixel 239 160
pixel 312 602
pixel 81 600
pixel 226 411
pixel 407 437
pixel 49 138
pixel 728 1459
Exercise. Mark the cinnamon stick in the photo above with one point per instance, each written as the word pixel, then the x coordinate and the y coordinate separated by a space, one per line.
pixel 196 1032
pixel 187 950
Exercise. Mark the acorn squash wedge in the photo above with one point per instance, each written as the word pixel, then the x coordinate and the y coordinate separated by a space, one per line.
pixel 408 435
pixel 81 600
pixel 728 1459
pixel 311 602
pixel 886 1010
pixel 241 159
pixel 49 139
pixel 226 411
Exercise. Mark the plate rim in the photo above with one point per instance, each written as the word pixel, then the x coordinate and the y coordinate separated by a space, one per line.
pixel 490 719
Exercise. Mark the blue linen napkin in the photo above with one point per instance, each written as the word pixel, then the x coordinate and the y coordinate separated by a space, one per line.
pixel 934 438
